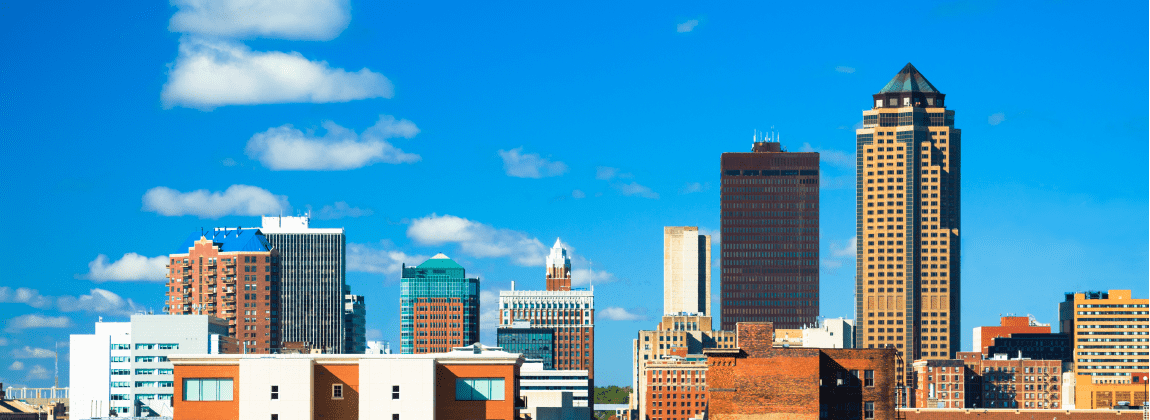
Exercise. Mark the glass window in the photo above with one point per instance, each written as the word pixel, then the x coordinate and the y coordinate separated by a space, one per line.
pixel 479 389
pixel 208 389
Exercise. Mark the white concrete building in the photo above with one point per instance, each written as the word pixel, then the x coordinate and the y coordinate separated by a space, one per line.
pixel 378 347
pixel 554 394
pixel 686 271
pixel 123 369
pixel 832 333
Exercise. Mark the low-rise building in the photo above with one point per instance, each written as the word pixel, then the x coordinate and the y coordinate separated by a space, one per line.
pixel 553 394
pixel 468 382
pixel 1033 346
pixel 970 381
pixel 1008 325
pixel 677 387
pixel 831 333
pixel 677 335
pixel 536 343
pixel 758 380
pixel 124 368
pixel 1095 392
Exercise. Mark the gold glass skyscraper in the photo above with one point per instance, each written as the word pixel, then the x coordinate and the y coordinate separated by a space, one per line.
pixel 908 279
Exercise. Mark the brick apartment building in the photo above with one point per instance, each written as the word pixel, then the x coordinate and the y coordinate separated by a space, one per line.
pixel 675 348
pixel 465 383
pixel 757 380
pixel 231 274
pixel 676 387
pixel 971 381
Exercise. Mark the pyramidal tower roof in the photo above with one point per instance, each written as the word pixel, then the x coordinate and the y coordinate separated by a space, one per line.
pixel 439 261
pixel 558 256
pixel 909 80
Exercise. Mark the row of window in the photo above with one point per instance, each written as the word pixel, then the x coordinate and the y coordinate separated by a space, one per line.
pixel 146 346
pixel 142 371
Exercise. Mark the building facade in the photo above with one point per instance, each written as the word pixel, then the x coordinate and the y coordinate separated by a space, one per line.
pixel 536 380
pixel 757 380
pixel 676 388
pixel 686 271
pixel 1008 325
pixel 907 219
pixel 972 381
pixel 533 343
pixel 312 284
pixel 831 333
pixel 678 339
pixel 354 324
pixel 123 368
pixel 569 312
pixel 770 237
pixel 438 307
pixel 1109 334
pixel 1033 346
pixel 464 383
pixel 231 274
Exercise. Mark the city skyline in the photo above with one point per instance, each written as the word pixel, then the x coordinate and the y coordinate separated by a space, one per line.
pixel 485 134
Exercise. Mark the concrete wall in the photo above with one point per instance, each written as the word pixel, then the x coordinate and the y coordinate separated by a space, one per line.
pixel 415 379
pixel 292 376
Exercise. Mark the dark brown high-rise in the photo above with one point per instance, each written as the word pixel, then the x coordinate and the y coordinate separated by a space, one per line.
pixel 770 237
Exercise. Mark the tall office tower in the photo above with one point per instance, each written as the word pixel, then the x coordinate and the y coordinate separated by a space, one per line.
pixel 907 220
pixel 311 281
pixel 1108 333
pixel 229 274
pixel 558 268
pixel 438 307
pixel 686 271
pixel 570 313
pixel 770 241
pixel 354 323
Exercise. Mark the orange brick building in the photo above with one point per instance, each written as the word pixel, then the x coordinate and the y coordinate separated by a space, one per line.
pixel 466 383
pixel 973 382
pixel 231 274
pixel 758 381
pixel 984 336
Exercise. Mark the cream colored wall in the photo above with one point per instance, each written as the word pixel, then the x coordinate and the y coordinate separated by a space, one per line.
pixel 416 381
pixel 292 376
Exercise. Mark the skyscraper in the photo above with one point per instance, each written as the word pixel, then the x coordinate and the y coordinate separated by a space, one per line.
pixel 230 274
pixel 770 237
pixel 311 281
pixel 1102 331
pixel 354 323
pixel 438 307
pixel 907 219
pixel 686 271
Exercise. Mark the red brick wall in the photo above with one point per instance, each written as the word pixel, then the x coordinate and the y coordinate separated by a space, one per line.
pixel 447 408
pixel 325 406
pixel 985 414
pixel 205 410
pixel 990 333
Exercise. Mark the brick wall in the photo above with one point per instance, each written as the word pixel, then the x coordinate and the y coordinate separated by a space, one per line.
pixel 992 414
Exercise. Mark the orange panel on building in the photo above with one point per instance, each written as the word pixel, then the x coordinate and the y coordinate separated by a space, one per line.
pixel 206 410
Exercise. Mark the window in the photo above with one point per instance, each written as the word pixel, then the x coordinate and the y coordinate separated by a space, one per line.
pixel 479 389
pixel 145 346
pixel 206 389
pixel 275 417
pixel 169 346
pixel 868 410
pixel 121 347
pixel 337 391
pixel 395 392
pixel 868 377
pixel 275 392
pixel 395 417
pixel 119 359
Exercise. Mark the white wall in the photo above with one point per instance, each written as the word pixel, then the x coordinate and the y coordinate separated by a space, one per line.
pixel 88 372
pixel 416 381
pixel 294 378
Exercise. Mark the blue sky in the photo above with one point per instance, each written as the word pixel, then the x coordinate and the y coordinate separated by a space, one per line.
pixel 485 133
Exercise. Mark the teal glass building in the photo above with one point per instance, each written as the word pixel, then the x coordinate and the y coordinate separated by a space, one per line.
pixel 439 307
pixel 533 343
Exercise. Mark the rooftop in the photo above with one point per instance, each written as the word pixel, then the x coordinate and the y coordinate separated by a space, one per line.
pixel 230 240
pixel 439 261
pixel 908 80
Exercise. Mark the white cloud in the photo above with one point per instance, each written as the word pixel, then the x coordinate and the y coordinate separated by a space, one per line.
pixel 477 239
pixel 213 73
pixel 489 315
pixel 529 165
pixel 16 365
pixel 388 261
pixel 577 194
pixel 3 341
pixel 130 267
pixel 616 313
pixel 30 297
pixel 32 353
pixel 836 158
pixel 373 334
pixel 286 148
pixel 318 20
pixel 996 118
pixel 694 187
pixel 687 26
pixel 238 200
pixel 229 162
pixel 844 69
pixel 849 250
pixel 634 188
pixel 582 277
pixel 340 210
pixel 38 372
pixel 24 322
pixel 98 301
pixel 606 173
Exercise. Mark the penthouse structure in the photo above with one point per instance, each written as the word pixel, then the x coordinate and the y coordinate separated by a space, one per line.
pixel 231 274
pixel 1109 333
pixel 907 284
pixel 464 383
pixel 439 307
pixel 311 289
pixel 569 312
pixel 686 271
pixel 984 337
pixel 770 233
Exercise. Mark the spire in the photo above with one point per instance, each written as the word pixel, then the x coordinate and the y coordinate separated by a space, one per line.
pixel 558 243
pixel 908 80
pixel 558 268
